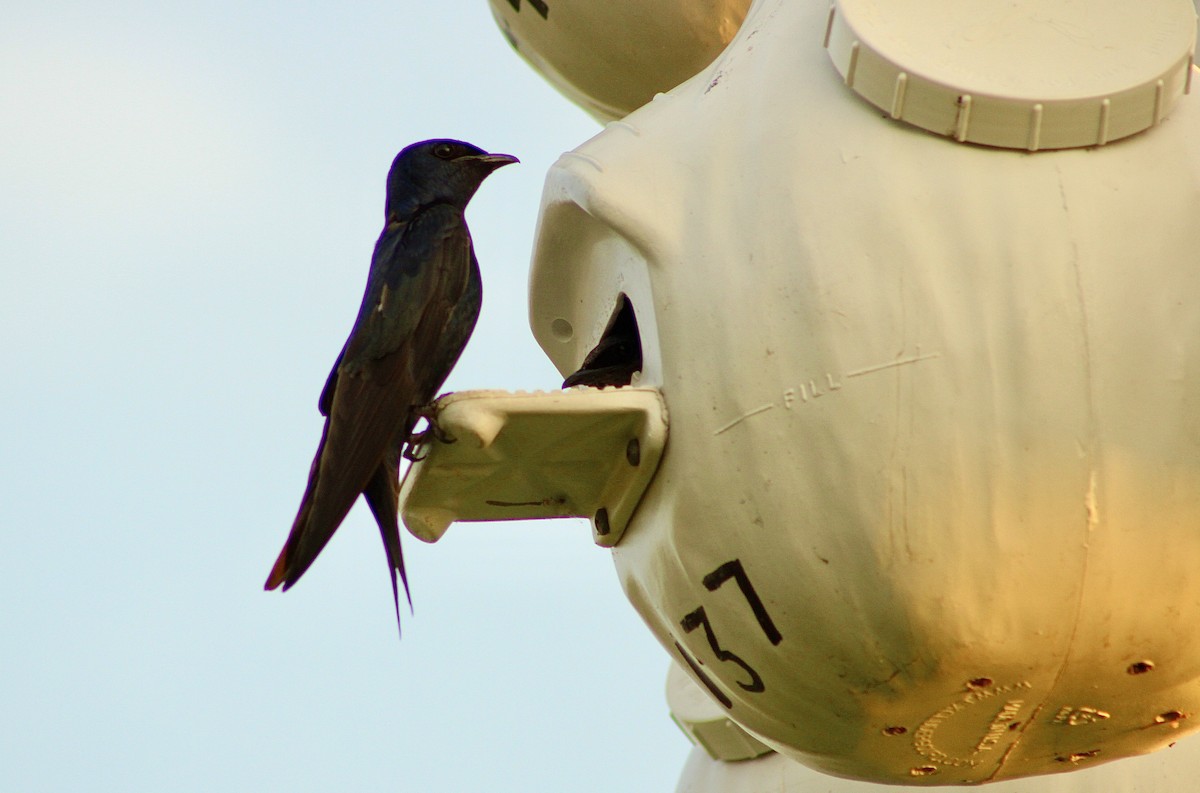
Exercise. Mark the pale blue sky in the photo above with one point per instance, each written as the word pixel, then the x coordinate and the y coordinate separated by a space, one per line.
pixel 189 196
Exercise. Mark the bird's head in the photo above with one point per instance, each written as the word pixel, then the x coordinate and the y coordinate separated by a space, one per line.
pixel 438 171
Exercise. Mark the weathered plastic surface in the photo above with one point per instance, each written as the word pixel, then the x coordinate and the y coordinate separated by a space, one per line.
pixel 930 513
pixel 612 57
pixel 585 452
pixel 1163 772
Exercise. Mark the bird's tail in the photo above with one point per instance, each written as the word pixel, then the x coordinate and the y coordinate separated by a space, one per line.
pixel 383 497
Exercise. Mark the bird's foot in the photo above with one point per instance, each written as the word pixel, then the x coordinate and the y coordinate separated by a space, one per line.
pixel 411 449
pixel 414 442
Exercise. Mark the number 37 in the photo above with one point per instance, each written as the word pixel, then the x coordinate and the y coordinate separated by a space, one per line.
pixel 698 618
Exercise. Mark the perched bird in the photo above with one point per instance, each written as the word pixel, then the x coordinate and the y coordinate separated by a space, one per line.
pixel 421 302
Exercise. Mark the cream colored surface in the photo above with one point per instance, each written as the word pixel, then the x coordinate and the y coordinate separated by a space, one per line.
pixel 612 57
pixel 585 452
pixel 1169 771
pixel 940 402
pixel 1050 74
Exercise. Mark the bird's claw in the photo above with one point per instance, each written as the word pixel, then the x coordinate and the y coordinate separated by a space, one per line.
pixel 418 439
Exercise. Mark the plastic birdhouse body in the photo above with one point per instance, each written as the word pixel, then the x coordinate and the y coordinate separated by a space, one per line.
pixel 929 505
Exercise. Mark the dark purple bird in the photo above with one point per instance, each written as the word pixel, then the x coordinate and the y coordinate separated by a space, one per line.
pixel 422 299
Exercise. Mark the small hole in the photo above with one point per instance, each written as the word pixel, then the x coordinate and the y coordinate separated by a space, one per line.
pixel 633 452
pixel 923 770
pixel 1015 725
pixel 894 730
pixel 1169 716
pixel 979 682
pixel 602 525
pixel 1140 668
pixel 561 330
pixel 1075 757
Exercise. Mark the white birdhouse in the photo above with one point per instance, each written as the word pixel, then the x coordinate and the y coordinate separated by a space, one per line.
pixel 909 482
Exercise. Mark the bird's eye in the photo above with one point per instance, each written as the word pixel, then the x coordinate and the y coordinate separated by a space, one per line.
pixel 443 150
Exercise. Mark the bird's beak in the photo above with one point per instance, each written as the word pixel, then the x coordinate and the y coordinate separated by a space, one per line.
pixel 494 160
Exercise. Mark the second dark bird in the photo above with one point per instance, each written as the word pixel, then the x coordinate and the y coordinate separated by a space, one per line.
pixel 421 302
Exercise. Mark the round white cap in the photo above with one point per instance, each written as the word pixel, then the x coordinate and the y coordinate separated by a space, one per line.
pixel 1050 74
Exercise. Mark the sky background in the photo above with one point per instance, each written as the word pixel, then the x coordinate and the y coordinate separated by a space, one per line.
pixel 189 196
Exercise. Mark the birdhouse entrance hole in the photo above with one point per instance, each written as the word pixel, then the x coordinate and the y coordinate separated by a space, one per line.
pixel 618 354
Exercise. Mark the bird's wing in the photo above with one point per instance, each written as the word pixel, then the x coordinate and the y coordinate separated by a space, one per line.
pixel 417 277
pixel 325 401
